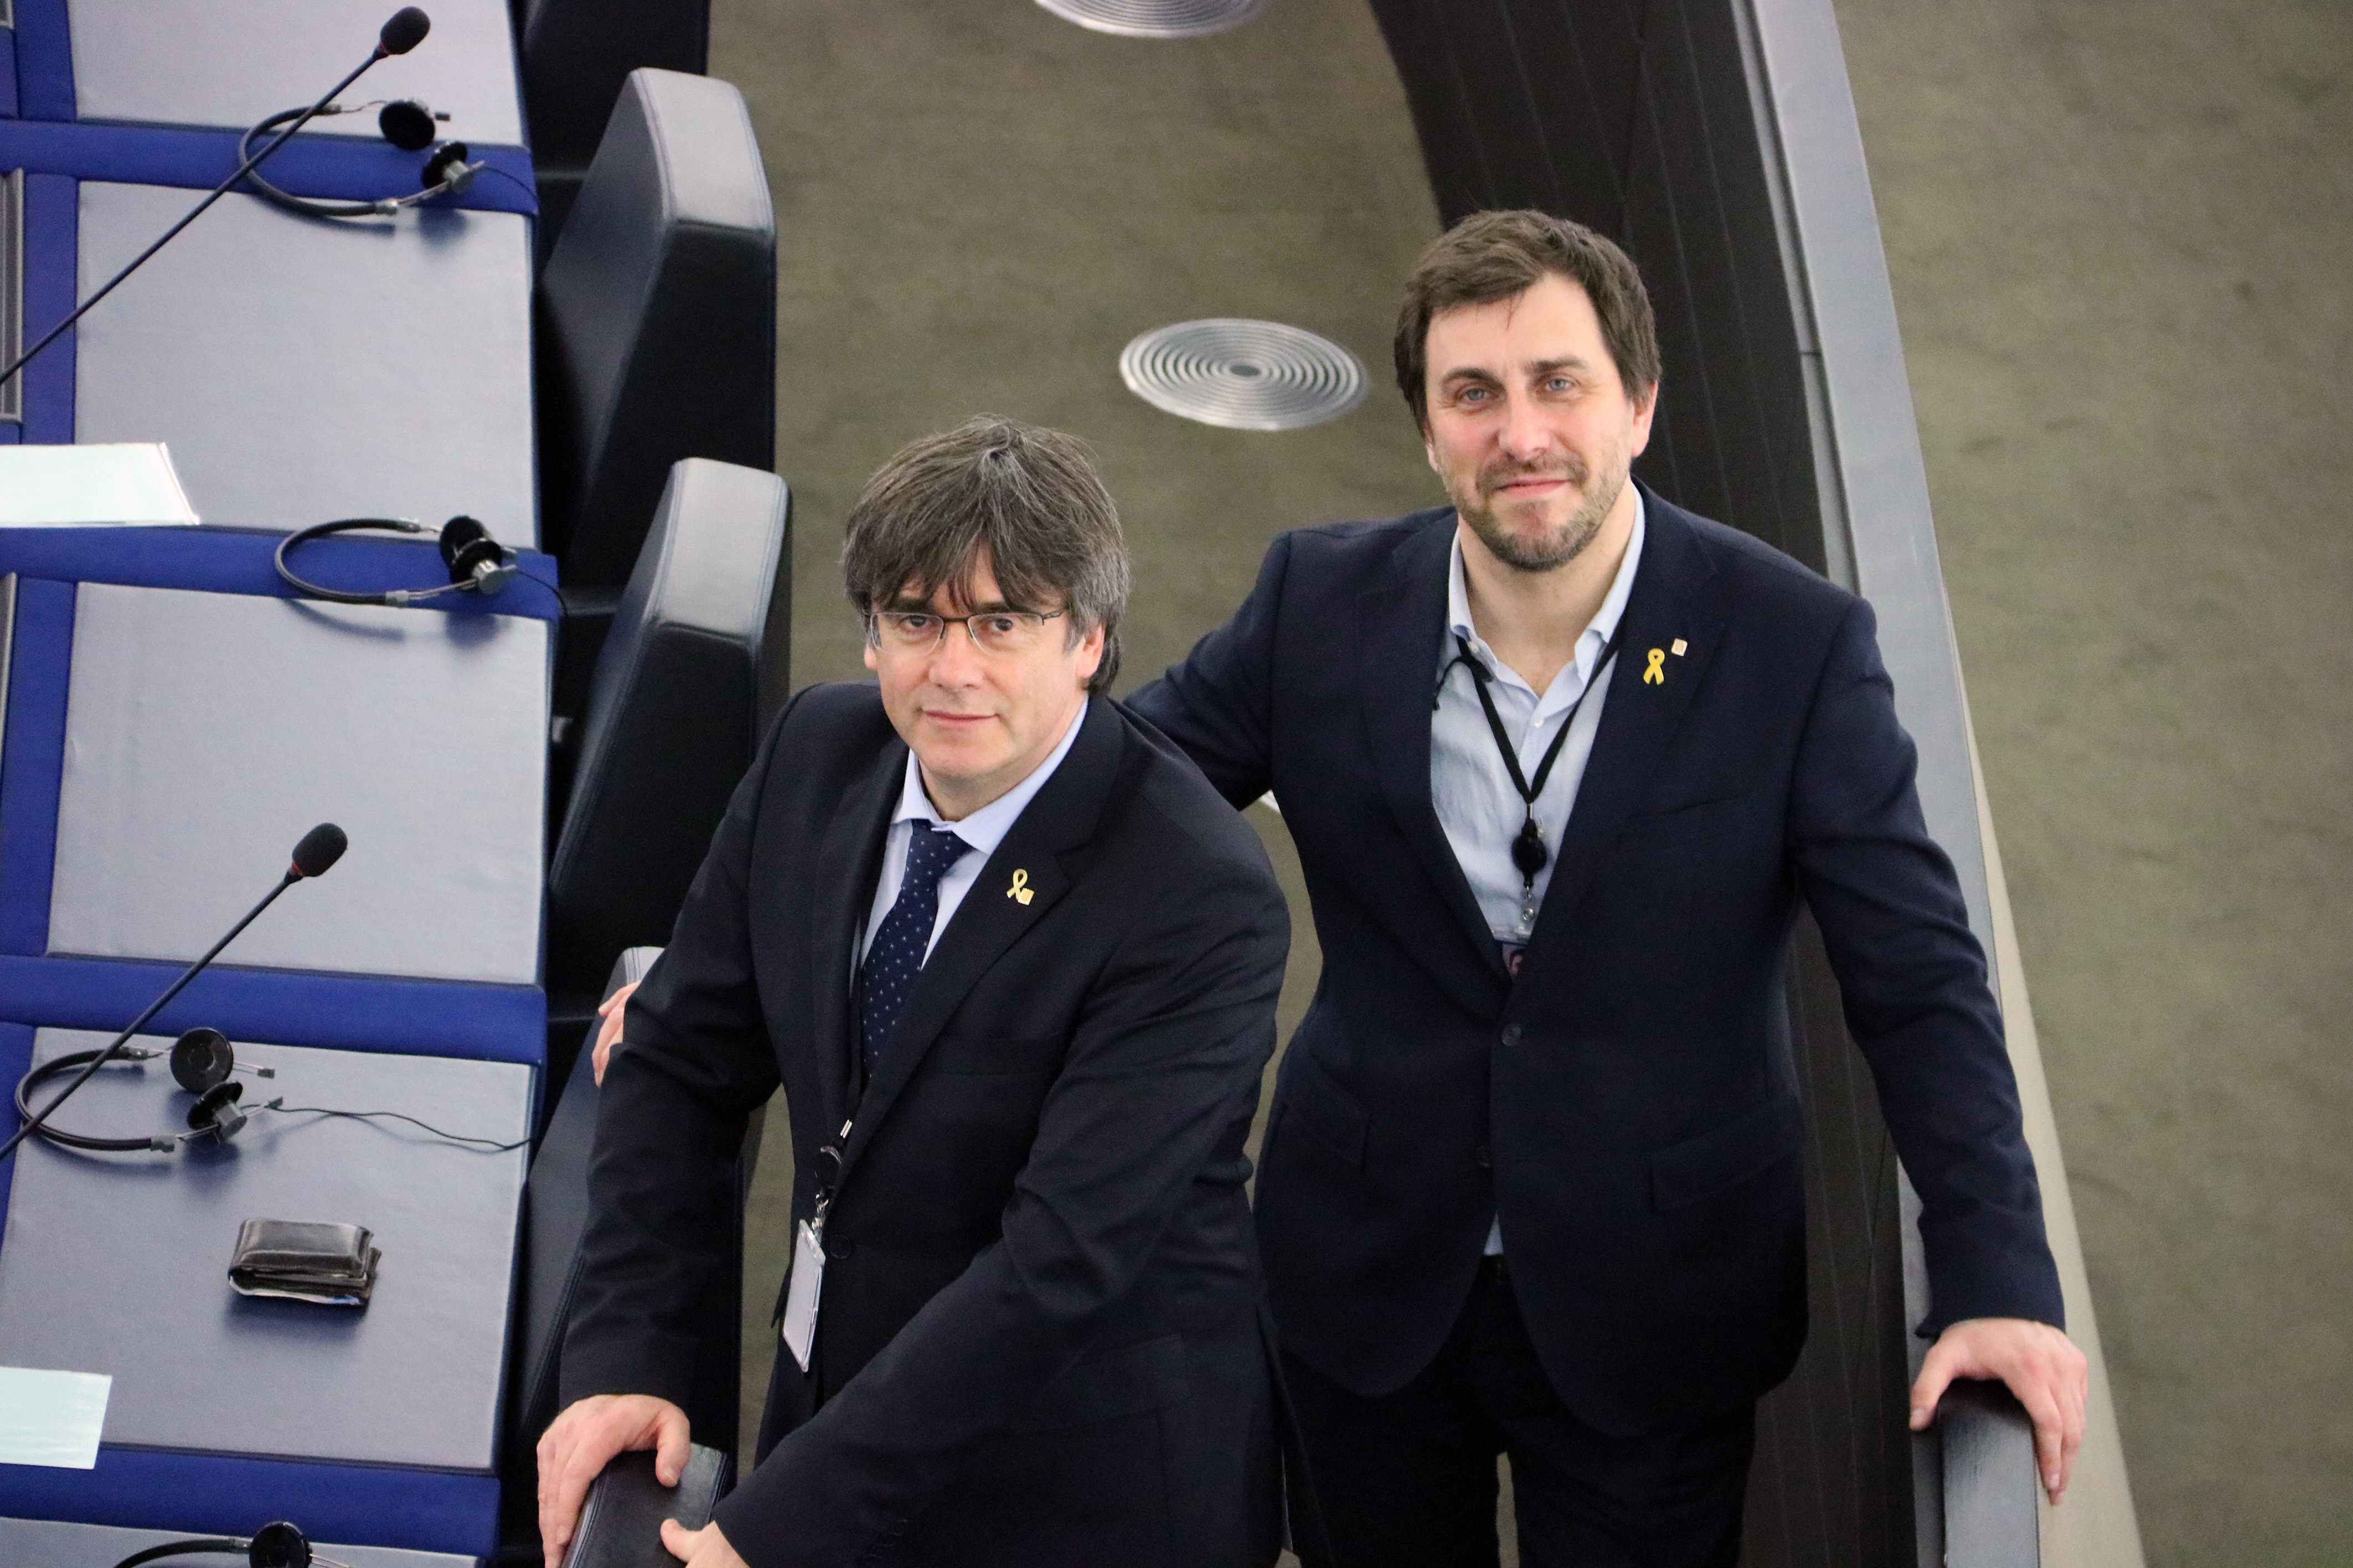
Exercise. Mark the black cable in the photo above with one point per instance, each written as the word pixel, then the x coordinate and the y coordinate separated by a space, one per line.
pixel 218 190
pixel 490 168
pixel 490 1146
pixel 306 205
pixel 342 595
pixel 223 1544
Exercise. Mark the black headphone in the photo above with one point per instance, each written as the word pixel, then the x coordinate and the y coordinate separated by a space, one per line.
pixel 202 1060
pixel 407 125
pixel 278 1545
pixel 478 563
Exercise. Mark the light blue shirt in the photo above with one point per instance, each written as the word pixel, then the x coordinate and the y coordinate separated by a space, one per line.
pixel 1477 804
pixel 983 831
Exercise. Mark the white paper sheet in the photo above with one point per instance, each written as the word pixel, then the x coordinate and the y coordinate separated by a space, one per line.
pixel 65 487
pixel 52 1418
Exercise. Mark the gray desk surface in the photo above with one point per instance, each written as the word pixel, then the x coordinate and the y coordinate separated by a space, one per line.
pixel 118 1263
pixel 204 62
pixel 35 1541
pixel 302 369
pixel 206 733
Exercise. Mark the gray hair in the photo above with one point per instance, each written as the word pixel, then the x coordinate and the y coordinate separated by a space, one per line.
pixel 1026 498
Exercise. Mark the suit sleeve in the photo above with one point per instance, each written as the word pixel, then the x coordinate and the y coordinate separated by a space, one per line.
pixel 1912 980
pixel 670 1119
pixel 1166 1055
pixel 1218 704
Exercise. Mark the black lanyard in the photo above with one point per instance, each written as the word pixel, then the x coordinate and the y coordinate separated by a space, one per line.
pixel 1528 851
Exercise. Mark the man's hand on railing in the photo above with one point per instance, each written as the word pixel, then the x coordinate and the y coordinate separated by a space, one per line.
pixel 2041 1365
pixel 578 1444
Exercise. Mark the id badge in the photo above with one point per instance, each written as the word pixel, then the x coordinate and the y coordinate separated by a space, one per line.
pixel 801 1298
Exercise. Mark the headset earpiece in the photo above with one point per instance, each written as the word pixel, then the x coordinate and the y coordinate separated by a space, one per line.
pixel 446 171
pixel 217 1112
pixel 202 1060
pixel 475 560
pixel 278 1545
pixel 409 125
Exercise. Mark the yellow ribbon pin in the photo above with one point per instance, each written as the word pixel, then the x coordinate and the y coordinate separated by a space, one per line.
pixel 1020 889
pixel 1657 674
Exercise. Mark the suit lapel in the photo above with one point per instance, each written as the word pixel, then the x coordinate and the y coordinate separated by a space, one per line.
pixel 1671 601
pixel 993 916
pixel 848 865
pixel 1401 627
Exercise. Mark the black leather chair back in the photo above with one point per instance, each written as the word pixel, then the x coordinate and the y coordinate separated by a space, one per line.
pixel 657 318
pixel 671 718
pixel 575 55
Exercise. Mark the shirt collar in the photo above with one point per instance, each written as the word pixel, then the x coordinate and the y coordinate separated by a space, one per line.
pixel 1597 635
pixel 987 827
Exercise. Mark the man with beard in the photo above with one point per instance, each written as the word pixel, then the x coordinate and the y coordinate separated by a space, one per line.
pixel 1560 760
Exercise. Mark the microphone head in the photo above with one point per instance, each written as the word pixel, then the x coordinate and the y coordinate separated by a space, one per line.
pixel 321 848
pixel 405 31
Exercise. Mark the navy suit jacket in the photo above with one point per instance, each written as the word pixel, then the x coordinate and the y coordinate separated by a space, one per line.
pixel 1039 1340
pixel 1629 1107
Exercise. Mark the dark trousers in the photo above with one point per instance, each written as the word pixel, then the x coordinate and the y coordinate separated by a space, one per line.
pixel 1407 1480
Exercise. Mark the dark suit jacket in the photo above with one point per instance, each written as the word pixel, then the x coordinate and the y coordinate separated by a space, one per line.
pixel 1628 1107
pixel 1037 1341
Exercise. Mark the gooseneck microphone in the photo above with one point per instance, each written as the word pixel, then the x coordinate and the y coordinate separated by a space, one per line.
pixel 320 849
pixel 403 33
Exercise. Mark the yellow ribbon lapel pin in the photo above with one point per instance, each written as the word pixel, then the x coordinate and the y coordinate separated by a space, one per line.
pixel 1656 675
pixel 1019 892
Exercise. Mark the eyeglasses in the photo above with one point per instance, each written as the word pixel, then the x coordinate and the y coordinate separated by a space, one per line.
pixel 992 631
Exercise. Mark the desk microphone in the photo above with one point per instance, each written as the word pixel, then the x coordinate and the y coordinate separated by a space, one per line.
pixel 403 33
pixel 320 849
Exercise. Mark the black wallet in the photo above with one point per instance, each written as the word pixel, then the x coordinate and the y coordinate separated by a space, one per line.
pixel 304 1260
pixel 620 1524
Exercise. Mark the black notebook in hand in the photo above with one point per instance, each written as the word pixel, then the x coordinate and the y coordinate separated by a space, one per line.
pixel 620 1524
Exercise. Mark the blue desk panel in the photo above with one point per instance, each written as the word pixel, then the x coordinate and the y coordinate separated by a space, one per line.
pixel 224 1406
pixel 205 732
pixel 228 63
pixel 456 907
pixel 302 369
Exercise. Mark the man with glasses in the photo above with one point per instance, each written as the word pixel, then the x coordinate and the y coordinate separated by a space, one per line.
pixel 1014 965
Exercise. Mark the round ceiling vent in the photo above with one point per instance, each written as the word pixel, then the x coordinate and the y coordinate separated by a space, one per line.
pixel 1156 18
pixel 1242 374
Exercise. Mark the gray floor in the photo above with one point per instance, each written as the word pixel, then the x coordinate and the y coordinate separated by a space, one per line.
pixel 2116 234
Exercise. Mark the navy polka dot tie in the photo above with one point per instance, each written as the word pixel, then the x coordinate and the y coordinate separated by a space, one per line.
pixel 896 957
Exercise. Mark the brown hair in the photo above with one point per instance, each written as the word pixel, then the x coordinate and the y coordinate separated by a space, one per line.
pixel 1026 498
pixel 1494 256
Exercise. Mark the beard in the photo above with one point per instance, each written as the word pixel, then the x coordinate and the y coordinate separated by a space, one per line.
pixel 1551 548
